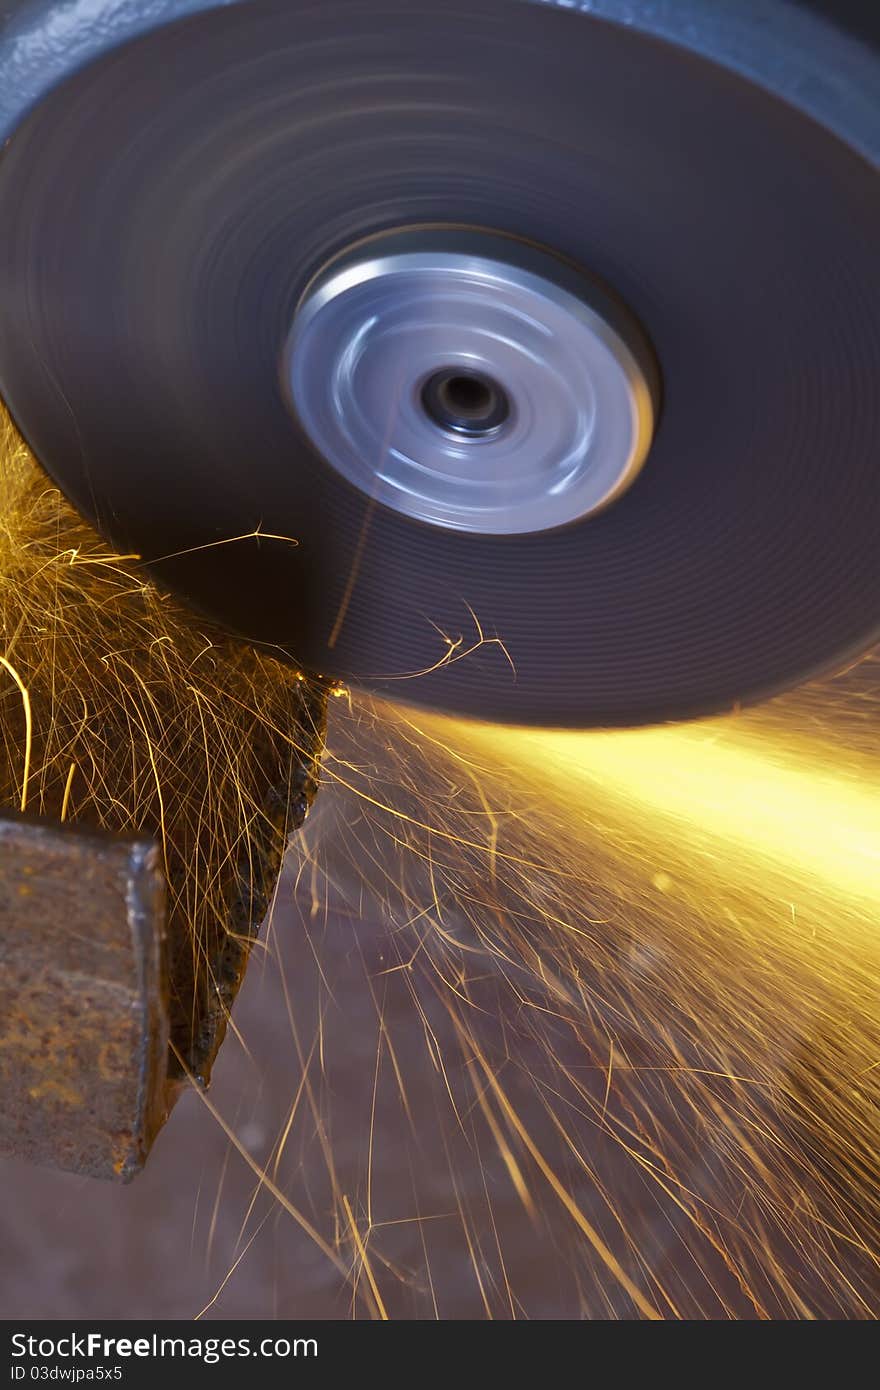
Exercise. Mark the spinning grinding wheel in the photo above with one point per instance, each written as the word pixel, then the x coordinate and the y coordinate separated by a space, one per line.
pixel 565 319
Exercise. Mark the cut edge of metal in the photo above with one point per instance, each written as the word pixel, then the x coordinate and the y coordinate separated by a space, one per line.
pixel 146 905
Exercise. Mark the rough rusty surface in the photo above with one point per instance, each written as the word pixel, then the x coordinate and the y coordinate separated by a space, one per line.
pixel 83 998
pixel 205 983
pixel 105 1008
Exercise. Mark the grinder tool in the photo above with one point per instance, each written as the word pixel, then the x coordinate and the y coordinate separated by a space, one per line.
pixel 381 328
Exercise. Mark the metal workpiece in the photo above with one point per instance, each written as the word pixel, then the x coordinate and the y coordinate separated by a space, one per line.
pixel 83 997
pixel 106 1009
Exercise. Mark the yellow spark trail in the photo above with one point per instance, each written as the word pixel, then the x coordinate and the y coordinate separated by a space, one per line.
pixel 767 800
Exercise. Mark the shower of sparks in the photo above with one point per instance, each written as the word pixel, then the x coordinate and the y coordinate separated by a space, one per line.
pixel 572 1024
pixel 644 970
pixel 589 1024
pixel 121 710
pixel 786 804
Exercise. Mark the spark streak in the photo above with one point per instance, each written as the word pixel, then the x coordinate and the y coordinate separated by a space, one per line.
pixel 764 798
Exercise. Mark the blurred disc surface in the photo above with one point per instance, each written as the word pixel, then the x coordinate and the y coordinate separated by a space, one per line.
pixel 163 209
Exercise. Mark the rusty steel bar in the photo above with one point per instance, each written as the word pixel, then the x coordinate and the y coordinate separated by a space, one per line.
pixel 106 1010
pixel 83 997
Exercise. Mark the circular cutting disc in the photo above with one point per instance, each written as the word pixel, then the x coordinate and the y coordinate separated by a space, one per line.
pixel 163 210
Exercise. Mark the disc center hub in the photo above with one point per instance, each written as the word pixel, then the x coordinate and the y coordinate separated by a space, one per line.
pixel 471 380
pixel 466 403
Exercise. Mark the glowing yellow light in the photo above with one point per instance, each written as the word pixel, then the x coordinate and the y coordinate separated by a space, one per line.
pixel 769 799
